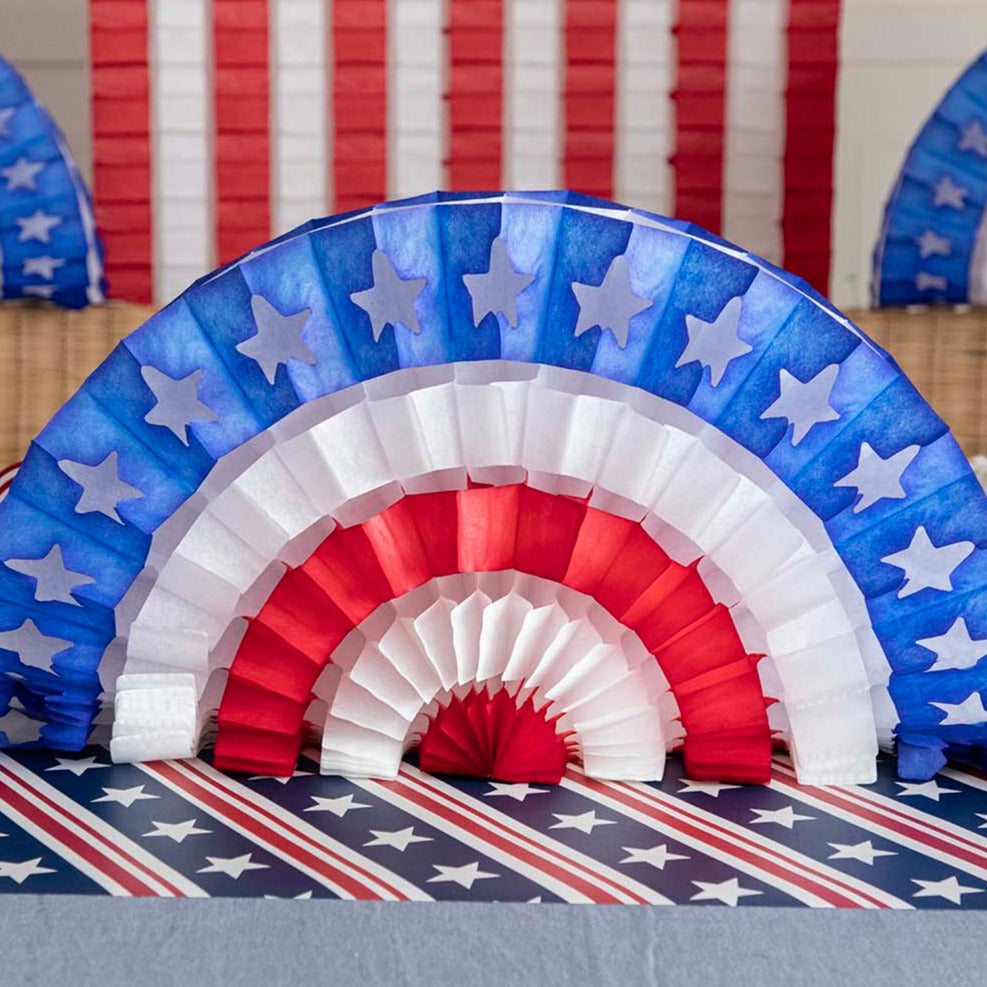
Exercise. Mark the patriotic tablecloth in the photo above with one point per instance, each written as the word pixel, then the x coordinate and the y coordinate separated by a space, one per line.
pixel 80 825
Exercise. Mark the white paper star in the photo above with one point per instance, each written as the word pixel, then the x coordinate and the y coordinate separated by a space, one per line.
pixel 278 338
pixel 804 403
pixel 33 648
pixel 729 892
pixel 125 796
pixel 513 790
pixel 864 852
pixel 53 580
pixel 43 267
pixel 464 876
pixel 77 765
pixel 337 806
pixel 948 193
pixel 22 174
pixel 37 226
pixel 177 403
pixel 970 711
pixel 400 839
pixel 928 566
pixel 930 244
pixel 176 831
pixel 924 281
pixel 232 866
pixel 712 788
pixel 656 856
pixel 876 478
pixel 38 290
pixel 974 138
pixel 20 872
pixel 611 304
pixel 585 822
pixel 392 298
pixel 5 114
pixel 498 288
pixel 715 344
pixel 786 817
pixel 19 728
pixel 102 488
pixel 925 789
pixel 954 649
pixel 948 888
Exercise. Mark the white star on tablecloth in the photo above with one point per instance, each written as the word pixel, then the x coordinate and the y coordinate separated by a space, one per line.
pixel 496 290
pixel 982 815
pixel 125 796
pixel 656 856
pixel 973 137
pixel 804 403
pixel 77 765
pixel 611 304
pixel 102 488
pixel 337 806
pixel 948 888
pixel 947 193
pixel 177 403
pixel 176 831
pixel 281 779
pixel 924 789
pixel 400 839
pixel 33 648
pixel 954 649
pixel 515 790
pixel 391 299
pixel 43 267
pixel 585 822
pixel 729 892
pixel 876 478
pixel 926 565
pixel 864 852
pixel 712 788
pixel 5 114
pixel 22 174
pixel 20 872
pixel 19 728
pixel 233 867
pixel 278 338
pixel 715 344
pixel 786 817
pixel 54 581
pixel 304 896
pixel 930 244
pixel 37 226
pixel 969 711
pixel 465 876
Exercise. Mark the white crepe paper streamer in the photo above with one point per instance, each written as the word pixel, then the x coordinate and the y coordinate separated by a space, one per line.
pixel 500 630
pixel 568 433
pixel 156 716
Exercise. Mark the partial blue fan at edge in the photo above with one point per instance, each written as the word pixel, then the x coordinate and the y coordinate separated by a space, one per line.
pixel 928 239
pixel 109 469
pixel 49 246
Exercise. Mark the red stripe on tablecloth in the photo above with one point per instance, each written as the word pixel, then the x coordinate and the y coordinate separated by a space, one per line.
pixel 475 93
pixel 359 103
pixel 810 128
pixel 700 110
pixel 118 45
pixel 242 126
pixel 588 96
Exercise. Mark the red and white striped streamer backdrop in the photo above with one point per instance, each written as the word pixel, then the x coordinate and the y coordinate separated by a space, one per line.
pixel 220 123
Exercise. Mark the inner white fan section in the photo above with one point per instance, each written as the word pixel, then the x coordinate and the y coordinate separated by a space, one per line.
pixel 344 458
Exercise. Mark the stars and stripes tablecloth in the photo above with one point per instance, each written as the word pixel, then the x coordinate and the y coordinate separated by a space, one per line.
pixel 80 825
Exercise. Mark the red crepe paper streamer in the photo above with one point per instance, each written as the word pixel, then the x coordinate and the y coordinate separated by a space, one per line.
pixel 489 529
pixel 491 736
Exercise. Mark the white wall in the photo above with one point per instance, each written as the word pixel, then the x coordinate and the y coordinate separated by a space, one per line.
pixel 898 59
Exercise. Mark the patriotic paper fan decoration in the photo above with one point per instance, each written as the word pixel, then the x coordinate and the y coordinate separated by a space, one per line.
pixel 933 242
pixel 510 479
pixel 48 241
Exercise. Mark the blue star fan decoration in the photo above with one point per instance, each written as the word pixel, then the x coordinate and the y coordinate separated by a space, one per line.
pixel 48 240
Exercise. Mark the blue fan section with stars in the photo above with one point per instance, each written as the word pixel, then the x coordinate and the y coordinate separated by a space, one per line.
pixel 552 278
pixel 931 222
pixel 48 242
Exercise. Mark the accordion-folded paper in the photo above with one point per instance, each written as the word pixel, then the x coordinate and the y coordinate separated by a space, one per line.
pixel 510 480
